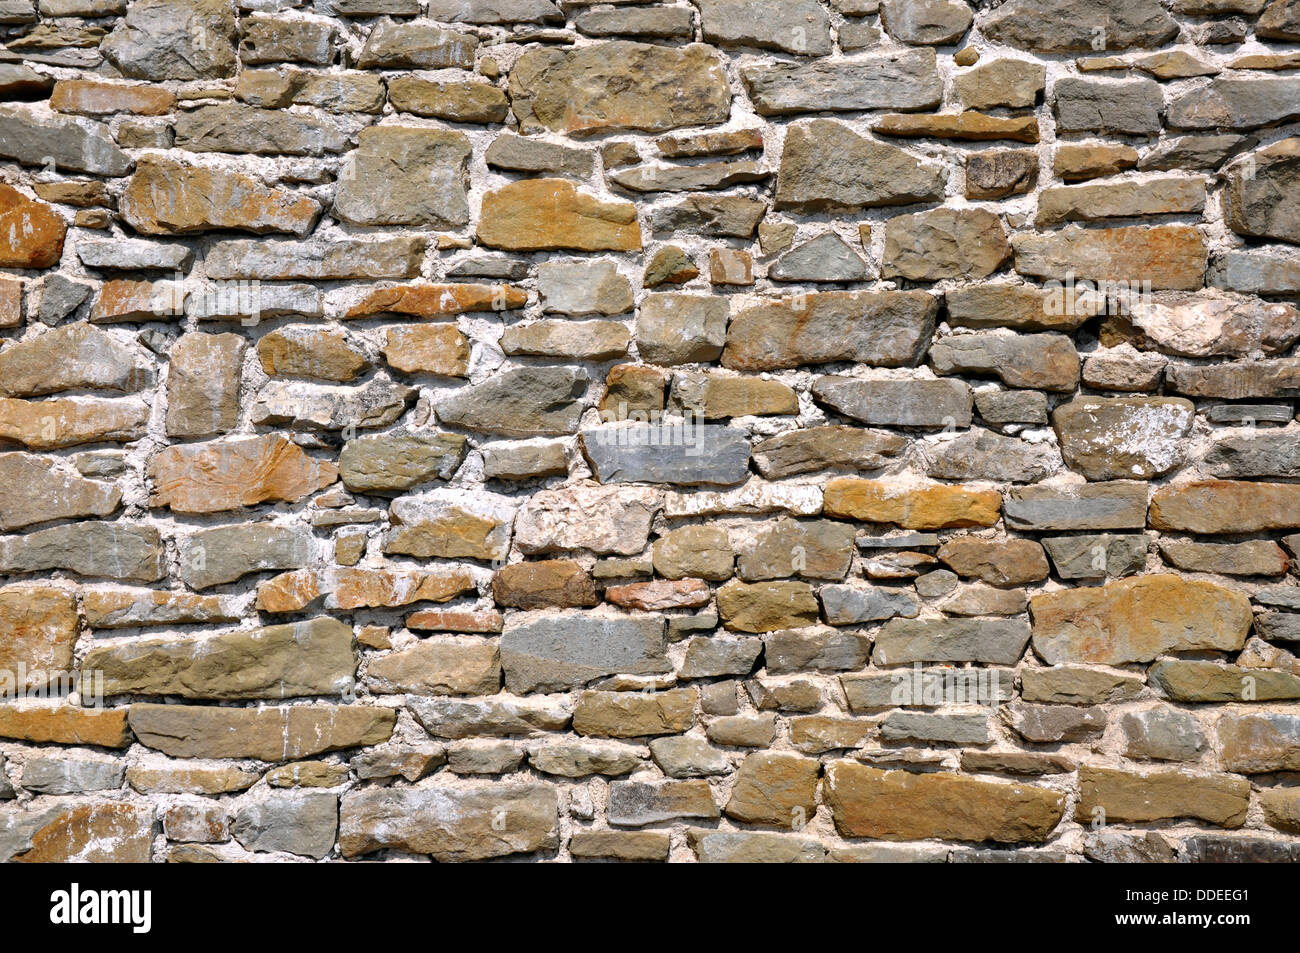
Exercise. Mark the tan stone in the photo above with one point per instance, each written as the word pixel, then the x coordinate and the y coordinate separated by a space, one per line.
pixel 928 507
pixel 438 349
pixel 775 787
pixel 703 551
pixel 660 594
pixel 1128 797
pixel 38 631
pixel 203 384
pixel 165 197
pixel 431 301
pixel 267 734
pixel 543 583
pixel 1136 620
pixel 1225 506
pixel 319 353
pixel 183 778
pixel 767 606
pixel 899 805
pixel 551 214
pixel 53 424
pixel 1006 563
pixel 96 834
pixel 634 714
pixel 43 723
pixel 236 472
pixel 451 666
pixel 969 125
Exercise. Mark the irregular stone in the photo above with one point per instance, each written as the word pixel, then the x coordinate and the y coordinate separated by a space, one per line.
pixel 801 27
pixel 925 507
pixel 31 232
pixel 634 714
pixel 572 759
pixel 1044 724
pixel 659 595
pixel 1235 104
pixel 935 728
pixel 174 40
pixel 522 402
pixel 827 167
pixel 733 216
pixel 235 472
pixel 983 455
pixel 102 832
pixel 1254 558
pixel 849 605
pixel 1162 734
pixel 316 259
pixel 1259 198
pixel 681 328
pixel 300 822
pixel 446 666
pixel 1113 438
pixel 562 653
pixel 618 85
pixel 76 144
pixel 1165 256
pixel 1064 26
pixel 1167 196
pixel 1001 82
pixel 612 519
pixel 1155 795
pixel 820 448
pixel 1005 563
pixel 815 549
pixel 1222 506
pixel 33 491
pixel 766 606
pixel 523 154
pixel 1098 556
pixel 391 164
pixel 999 173
pixel 776 788
pixel 1046 361
pixel 1189 680
pixel 1023 307
pixel 235 127
pixel 416 44
pixel 813 648
pixel 1114 505
pixel 304 351
pixel 635 803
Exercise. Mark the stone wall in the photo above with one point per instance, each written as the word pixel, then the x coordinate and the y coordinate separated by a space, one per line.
pixel 724 430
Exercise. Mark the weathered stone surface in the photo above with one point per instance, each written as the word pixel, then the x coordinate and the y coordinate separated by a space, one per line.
pixel 998 173
pixel 1047 361
pixel 1167 196
pixel 1199 681
pixel 1155 795
pixel 1002 82
pixel 913 507
pixel 314 259
pixel 699 455
pixel 31 232
pixel 898 805
pixel 39 722
pixel 267 734
pixel 445 666
pixel 566 652
pixel 1255 744
pixel 54 424
pixel 881 328
pixel 519 403
pixel 1097 556
pixel 460 718
pixel 995 641
pixel 1234 103
pixel 776 788
pixel 203 383
pixel 405 176
pixel 618 85
pixel 165 197
pixel 983 455
pixel 898 403
pixel 826 167
pixel 904 79
pixel 551 214
pixel 634 803
pixel 1260 198
pixel 1224 506
pixel 1123 437
pixel 450 824
pixel 171 39
pixel 1112 505
pixel 235 127
pixel 634 714
pixel 800 27
pixel 613 519
pixel 1135 620
pixel 103 832
pixel 521 154
pixel 1166 256
pixel 439 349
pixel 766 606
pixel 384 462
pixel 820 448
pixel 232 473
pixel 34 491
pixel 681 328
pixel 73 143
pixel 1255 558
pixel 1023 307
pixel 1009 563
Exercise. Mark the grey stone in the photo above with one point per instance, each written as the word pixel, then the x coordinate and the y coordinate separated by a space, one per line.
pixel 582 288
pixel 796 26
pixel 815 648
pixel 467 718
pixel 995 641
pixel 657 22
pixel 234 127
pixel 1123 847
pixel 1097 556
pixel 405 176
pixel 710 657
pixel 825 258
pixel 524 461
pixel 1036 361
pixel 936 728
pixel 1162 734
pixel 71 773
pixel 494 11
pixel 1248 414
pixel 982 454
pixel 133 254
pixel 1064 26
pixel 1266 453
pixel 906 79
pixel 564 652
pixel 174 39
pixel 689 178
pixel 1114 505
pixel 932 22
pixel 295 822
pixel 211 557
pixel 1253 271
pixel 1204 153
pixel 1235 104
pixel 315 259
pixel 576 759
pixel 1050 724
pixel 1278 626
pixel 523 154
pixel 1261 195
pixel 685 756
pixel 682 454
pixel 113 550
pixel 306 406
pixel 1011 406
pixel 898 403
pixel 1285 597
pixel 730 216
pixel 1128 107
pixel 827 167
pixel 73 143
pixel 636 803
pixel 849 605
pixel 681 328
pixel 522 402
pixel 60 296
pixel 416 44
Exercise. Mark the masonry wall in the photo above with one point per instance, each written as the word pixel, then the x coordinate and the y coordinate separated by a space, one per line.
pixel 725 430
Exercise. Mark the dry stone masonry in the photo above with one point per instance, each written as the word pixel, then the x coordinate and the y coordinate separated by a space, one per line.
pixel 710 430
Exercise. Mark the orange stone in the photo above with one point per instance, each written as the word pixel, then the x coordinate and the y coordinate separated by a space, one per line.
pixel 928 507
pixel 388 588
pixel 431 301
pixel 486 621
pixel 31 232
pixel 231 473
pixel 551 214
pixel 1225 506
pixel 38 630
pixel 660 594
pixel 43 723
pixel 428 349
pixel 93 98
pixel 94 833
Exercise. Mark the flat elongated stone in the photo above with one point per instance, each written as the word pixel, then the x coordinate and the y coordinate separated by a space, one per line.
pixel 81 145
pixel 898 403
pixel 235 127
pixel 1166 256
pixel 313 259
pixel 689 455
pixel 1155 795
pixel 899 805
pixel 1062 26
pixel 1167 196
pixel 906 79
pixel 115 550
pixel 1224 506
pixel 618 85
pixel 70 357
pixel 922 507
pixel 887 329
pixel 800 27
pixel 54 424
pixel 1207 324
pixel 1112 505
pixel 522 402
pixel 1255 744
pixel 1046 361
pixel 1189 680
pixel 441 666
pixel 33 491
pixel 766 606
pixel 416 44
pixel 819 448
pixel 634 714
pixel 39 722
pixel 450 824
pixel 994 641
pixel 1236 103
pixel 1136 620
pixel 565 652
pixel 306 658
pixel 267 734
pixel 1096 556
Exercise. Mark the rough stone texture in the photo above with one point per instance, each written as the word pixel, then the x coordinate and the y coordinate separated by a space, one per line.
pixel 373 426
